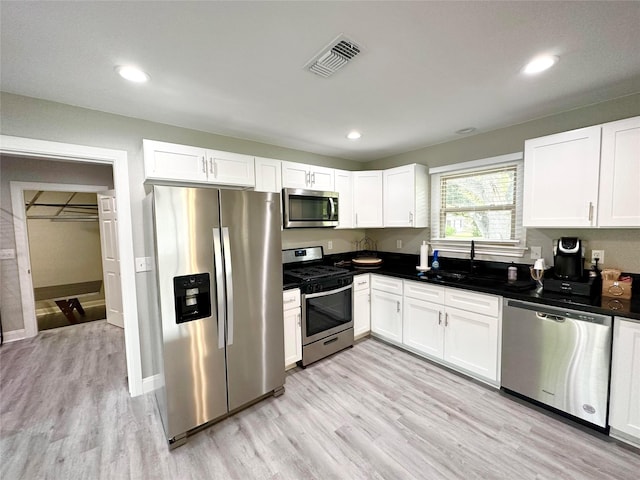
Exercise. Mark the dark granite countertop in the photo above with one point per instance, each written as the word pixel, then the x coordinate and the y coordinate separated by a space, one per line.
pixel 494 282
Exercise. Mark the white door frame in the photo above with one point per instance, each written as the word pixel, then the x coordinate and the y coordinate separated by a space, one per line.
pixel 46 150
pixel 22 242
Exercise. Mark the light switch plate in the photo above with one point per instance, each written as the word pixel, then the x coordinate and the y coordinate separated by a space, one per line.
pixel 330 245
pixel 398 243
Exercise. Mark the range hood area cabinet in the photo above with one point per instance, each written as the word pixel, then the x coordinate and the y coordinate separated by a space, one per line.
pixel 308 177
pixel 406 201
pixel 587 177
pixel 170 162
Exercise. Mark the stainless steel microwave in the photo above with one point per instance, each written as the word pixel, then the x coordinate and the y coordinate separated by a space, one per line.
pixel 309 208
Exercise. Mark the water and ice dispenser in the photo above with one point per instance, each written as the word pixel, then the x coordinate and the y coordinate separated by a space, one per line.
pixel 192 297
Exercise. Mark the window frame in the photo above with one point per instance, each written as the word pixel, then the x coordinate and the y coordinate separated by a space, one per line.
pixel 492 247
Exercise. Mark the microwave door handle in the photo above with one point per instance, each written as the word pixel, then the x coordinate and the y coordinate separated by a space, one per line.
pixel 332 205
pixel 227 270
pixel 220 298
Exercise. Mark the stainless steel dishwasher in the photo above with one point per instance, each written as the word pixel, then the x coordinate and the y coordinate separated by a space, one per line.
pixel 558 357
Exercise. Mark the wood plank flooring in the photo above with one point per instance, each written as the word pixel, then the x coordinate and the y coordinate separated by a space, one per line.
pixel 370 412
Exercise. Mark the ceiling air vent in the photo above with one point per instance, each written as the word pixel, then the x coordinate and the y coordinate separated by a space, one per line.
pixel 333 57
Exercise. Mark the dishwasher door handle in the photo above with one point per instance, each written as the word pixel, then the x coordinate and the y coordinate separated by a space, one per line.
pixel 546 316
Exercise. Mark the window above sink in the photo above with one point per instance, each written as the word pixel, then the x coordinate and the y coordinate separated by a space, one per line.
pixel 479 200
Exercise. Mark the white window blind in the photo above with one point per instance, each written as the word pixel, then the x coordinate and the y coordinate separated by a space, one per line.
pixel 482 202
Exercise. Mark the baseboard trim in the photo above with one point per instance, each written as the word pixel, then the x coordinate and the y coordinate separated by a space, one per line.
pixel 14 335
pixel 149 384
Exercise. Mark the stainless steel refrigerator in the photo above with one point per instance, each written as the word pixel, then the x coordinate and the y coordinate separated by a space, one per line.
pixel 219 275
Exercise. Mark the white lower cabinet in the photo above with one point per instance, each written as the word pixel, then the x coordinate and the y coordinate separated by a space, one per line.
pixel 624 404
pixel 361 306
pixel 459 335
pixel 292 327
pixel 386 308
pixel 471 342
pixel 422 327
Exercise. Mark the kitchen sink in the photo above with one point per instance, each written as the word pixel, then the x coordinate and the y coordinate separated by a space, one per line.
pixel 466 278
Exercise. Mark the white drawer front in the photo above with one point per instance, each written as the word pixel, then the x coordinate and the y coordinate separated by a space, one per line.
pixel 361 282
pixel 473 302
pixel 424 291
pixel 291 298
pixel 386 284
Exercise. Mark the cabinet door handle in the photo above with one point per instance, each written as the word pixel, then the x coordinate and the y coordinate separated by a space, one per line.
pixel 410 218
pixel 362 283
pixel 299 320
pixel 313 178
pixel 291 300
pixel 212 166
pixel 307 178
pixel 446 319
pixel 204 165
pixel 590 211
pixel 398 308
pixel 356 219
pixel 369 299
pixel 439 318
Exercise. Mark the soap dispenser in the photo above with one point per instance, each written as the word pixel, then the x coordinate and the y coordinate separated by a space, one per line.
pixel 435 264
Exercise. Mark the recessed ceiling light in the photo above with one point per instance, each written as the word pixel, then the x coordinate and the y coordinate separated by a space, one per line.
pixel 464 131
pixel 133 74
pixel 540 64
pixel 354 135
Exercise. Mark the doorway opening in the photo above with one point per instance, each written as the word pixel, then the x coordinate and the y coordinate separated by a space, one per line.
pixel 123 240
pixel 66 267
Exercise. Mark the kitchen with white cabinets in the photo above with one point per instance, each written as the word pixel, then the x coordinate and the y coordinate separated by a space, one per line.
pixel 224 105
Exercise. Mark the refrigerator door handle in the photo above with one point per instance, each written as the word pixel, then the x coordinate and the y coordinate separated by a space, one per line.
pixel 221 302
pixel 229 277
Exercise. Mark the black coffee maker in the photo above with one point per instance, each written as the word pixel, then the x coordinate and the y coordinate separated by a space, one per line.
pixel 568 259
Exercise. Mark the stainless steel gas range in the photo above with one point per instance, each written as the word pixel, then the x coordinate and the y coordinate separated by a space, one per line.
pixel 327 309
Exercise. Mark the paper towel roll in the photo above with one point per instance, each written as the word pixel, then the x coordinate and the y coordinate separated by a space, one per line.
pixel 424 255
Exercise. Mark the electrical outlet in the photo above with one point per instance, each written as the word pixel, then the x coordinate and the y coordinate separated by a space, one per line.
pixel 536 253
pixel 330 245
pixel 398 243
pixel 599 254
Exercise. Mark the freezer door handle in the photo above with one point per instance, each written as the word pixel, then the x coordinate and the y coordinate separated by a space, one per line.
pixel 217 260
pixel 226 245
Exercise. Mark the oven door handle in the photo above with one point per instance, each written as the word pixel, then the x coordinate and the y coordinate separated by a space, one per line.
pixel 329 292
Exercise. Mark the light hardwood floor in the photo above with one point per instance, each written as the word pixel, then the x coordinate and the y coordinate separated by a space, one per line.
pixel 366 413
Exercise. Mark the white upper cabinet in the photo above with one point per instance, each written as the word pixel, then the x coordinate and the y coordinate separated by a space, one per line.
pixel 561 179
pixel 619 204
pixel 172 162
pixel 405 196
pixel 344 187
pixel 584 178
pixel 268 175
pixel 310 177
pixel 367 199
pixel 181 163
pixel 226 168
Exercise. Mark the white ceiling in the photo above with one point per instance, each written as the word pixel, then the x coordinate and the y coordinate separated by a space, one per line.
pixel 236 68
